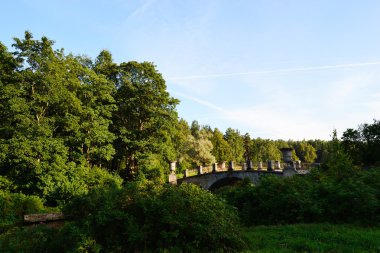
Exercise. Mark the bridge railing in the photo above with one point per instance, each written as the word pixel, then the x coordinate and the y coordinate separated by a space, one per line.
pixel 277 166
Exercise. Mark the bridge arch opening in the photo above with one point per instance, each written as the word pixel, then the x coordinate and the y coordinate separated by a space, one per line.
pixel 228 181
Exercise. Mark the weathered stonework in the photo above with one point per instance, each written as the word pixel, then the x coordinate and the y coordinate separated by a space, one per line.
pixel 206 181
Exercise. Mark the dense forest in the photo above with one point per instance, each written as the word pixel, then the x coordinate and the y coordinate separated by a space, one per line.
pixel 94 138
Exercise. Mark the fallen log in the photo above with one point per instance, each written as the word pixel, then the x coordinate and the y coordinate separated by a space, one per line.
pixel 43 217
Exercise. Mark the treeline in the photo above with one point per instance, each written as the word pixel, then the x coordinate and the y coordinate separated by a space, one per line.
pixel 363 143
pixel 202 145
pixel 69 124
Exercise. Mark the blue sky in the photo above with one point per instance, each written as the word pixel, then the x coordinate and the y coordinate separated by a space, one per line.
pixel 289 69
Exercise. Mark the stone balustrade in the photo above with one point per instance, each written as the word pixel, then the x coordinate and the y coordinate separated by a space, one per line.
pixel 232 166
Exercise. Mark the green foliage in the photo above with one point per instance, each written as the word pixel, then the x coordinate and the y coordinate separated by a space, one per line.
pixel 338 163
pixel 144 217
pixel 221 148
pixel 44 239
pixel 264 150
pixel 27 240
pixel 363 144
pixel 200 148
pixel 56 112
pixel 14 205
pixel 236 143
pixel 306 152
pixel 318 197
pixel 145 119
pixel 6 184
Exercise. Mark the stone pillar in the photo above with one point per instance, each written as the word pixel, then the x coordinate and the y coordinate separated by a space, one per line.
pixel 214 167
pixel 277 165
pixel 223 166
pixel 185 173
pixel 172 167
pixel 249 165
pixel 172 175
pixel 200 168
pixel 244 167
pixel 270 166
pixel 260 166
pixel 231 165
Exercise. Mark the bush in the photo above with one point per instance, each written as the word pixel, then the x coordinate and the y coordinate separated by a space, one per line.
pixel 274 201
pixel 77 181
pixel 318 197
pixel 348 201
pixel 144 217
pixel 14 205
pixel 28 240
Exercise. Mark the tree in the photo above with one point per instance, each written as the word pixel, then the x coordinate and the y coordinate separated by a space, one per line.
pixel 363 144
pixel 181 145
pixel 201 148
pixel 353 145
pixel 221 149
pixel 339 164
pixel 247 146
pixel 264 150
pixel 371 136
pixel 306 152
pixel 236 144
pixel 195 129
pixel 146 114
pixel 55 115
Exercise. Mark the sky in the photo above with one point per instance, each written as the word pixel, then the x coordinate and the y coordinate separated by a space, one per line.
pixel 278 69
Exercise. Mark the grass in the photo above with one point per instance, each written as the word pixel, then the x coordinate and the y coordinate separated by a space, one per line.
pixel 312 238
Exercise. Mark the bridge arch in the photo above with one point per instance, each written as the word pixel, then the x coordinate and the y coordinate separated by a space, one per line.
pixel 212 180
pixel 224 182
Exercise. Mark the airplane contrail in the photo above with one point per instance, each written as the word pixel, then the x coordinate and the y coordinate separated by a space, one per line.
pixel 199 101
pixel 323 67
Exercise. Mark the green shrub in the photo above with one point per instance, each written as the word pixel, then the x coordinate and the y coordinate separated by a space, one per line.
pixel 348 201
pixel 28 240
pixel 318 197
pixel 77 181
pixel 146 217
pixel 5 184
pixel 14 205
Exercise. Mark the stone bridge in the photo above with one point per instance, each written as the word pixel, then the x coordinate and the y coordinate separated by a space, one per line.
pixel 216 179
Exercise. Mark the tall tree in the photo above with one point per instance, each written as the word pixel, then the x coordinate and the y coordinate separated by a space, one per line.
pixel 55 117
pixel 306 152
pixel 247 146
pixel 236 143
pixel 371 136
pixel 181 144
pixel 353 144
pixel 200 151
pixel 221 149
pixel 338 164
pixel 146 114
pixel 264 150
